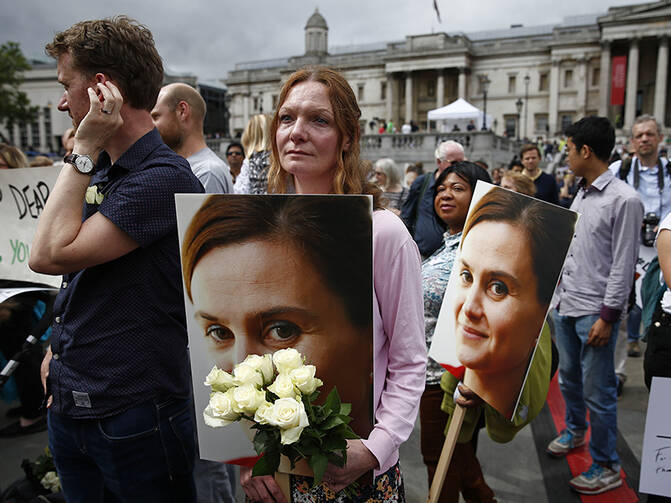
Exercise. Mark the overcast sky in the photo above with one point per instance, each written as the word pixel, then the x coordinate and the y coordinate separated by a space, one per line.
pixel 207 37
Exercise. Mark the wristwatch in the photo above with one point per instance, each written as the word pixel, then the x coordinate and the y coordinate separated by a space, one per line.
pixel 82 163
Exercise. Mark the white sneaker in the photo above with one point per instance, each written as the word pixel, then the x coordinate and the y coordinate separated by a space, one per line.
pixel 596 480
pixel 565 442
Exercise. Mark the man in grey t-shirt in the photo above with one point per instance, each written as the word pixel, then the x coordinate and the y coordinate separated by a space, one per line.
pixel 179 114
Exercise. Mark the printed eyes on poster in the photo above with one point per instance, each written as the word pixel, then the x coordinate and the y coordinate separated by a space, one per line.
pixel 508 263
pixel 263 273
pixel 23 194
pixel 656 457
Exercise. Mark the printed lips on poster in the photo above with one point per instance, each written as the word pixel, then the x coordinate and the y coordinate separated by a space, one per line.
pixel 508 264
pixel 262 273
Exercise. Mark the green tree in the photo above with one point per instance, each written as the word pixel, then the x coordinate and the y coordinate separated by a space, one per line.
pixel 14 104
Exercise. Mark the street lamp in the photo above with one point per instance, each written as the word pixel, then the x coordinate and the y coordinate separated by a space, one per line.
pixel 226 115
pixel 519 104
pixel 484 82
pixel 526 102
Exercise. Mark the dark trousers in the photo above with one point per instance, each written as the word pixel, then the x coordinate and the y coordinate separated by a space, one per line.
pixel 464 473
pixel 144 454
pixel 657 361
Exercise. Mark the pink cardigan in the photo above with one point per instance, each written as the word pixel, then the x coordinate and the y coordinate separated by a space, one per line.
pixel 399 352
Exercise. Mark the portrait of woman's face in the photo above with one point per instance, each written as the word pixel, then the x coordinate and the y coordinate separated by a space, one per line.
pixel 260 296
pixel 496 309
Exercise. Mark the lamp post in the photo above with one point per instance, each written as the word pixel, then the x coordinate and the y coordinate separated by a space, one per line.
pixel 484 81
pixel 519 104
pixel 226 115
pixel 526 102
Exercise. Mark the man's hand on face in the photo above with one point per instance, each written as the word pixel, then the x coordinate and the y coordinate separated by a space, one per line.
pixel 101 121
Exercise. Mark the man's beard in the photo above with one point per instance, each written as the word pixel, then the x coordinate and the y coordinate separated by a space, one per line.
pixel 173 140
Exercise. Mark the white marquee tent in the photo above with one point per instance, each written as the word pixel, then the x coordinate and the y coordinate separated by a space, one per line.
pixel 459 112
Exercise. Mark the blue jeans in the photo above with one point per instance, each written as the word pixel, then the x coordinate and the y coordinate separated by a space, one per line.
pixel 634 324
pixel 144 454
pixel 587 381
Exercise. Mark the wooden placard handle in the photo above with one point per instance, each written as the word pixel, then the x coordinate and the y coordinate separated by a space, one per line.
pixel 446 453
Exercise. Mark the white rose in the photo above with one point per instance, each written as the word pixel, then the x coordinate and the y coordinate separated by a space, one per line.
pixel 219 380
pixel 283 387
pixel 51 482
pixel 304 379
pixel 261 414
pixel 286 360
pixel 288 415
pixel 263 364
pixel 246 374
pixel 247 398
pixel 220 411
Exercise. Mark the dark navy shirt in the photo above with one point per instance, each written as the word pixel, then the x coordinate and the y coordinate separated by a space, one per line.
pixel 546 188
pixel 119 333
pixel 426 228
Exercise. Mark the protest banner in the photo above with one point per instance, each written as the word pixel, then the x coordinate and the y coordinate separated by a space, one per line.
pixel 263 273
pixel 23 194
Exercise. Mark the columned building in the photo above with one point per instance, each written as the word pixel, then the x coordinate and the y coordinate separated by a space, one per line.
pixel 541 78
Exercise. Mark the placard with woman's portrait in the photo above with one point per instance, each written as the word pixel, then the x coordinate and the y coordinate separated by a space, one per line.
pixel 508 263
pixel 264 273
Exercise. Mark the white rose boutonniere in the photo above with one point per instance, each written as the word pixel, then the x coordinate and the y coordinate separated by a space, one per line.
pixel 288 415
pixel 286 360
pixel 93 196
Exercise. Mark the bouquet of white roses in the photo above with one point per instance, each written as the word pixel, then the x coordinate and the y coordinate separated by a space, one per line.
pixel 277 393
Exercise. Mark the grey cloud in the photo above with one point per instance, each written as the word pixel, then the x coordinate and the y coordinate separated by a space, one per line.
pixel 207 37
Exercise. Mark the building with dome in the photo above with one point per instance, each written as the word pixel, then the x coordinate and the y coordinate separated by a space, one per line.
pixel 538 79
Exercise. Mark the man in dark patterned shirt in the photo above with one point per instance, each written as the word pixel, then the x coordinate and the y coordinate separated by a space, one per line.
pixel 117 374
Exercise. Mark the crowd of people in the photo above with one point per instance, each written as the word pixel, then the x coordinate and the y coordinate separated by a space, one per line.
pixel 116 373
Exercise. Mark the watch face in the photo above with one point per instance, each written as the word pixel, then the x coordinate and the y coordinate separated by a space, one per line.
pixel 84 164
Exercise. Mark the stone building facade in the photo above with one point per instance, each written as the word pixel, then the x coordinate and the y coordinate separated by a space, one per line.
pixel 556 74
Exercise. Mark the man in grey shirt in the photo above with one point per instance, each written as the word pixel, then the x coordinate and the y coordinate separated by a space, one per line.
pixel 593 291
pixel 178 115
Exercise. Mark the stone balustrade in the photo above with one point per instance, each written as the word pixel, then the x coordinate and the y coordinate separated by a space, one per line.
pixel 414 147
